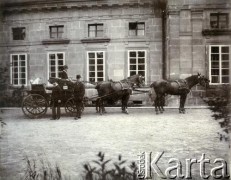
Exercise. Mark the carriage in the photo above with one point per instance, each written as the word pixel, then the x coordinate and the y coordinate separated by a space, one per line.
pixel 36 103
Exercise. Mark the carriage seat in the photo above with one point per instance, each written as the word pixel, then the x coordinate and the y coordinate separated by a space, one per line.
pixel 38 89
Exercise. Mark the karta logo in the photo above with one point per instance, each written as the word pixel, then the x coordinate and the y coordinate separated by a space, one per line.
pixel 148 165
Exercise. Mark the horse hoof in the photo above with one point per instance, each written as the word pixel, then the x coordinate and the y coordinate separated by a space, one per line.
pixel 157 112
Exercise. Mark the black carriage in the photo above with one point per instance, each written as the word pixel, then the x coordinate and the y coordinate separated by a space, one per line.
pixel 36 103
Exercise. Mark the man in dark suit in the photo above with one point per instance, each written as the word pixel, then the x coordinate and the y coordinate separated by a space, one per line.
pixel 55 100
pixel 79 91
pixel 63 74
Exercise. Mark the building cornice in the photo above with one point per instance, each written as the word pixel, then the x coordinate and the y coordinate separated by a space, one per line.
pixel 69 4
pixel 55 41
pixel 96 40
pixel 216 32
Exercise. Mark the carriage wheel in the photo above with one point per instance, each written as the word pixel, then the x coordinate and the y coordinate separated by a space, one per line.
pixel 70 106
pixel 34 106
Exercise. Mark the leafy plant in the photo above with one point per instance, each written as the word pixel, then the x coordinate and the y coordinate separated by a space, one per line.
pixel 105 169
pixel 42 171
pixel 219 103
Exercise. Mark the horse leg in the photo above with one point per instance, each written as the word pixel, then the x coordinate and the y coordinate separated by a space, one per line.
pixel 182 103
pixel 161 101
pixel 156 105
pixel 125 99
pixel 97 106
pixel 100 106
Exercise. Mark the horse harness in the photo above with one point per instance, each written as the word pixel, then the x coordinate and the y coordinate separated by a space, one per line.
pixel 122 84
pixel 183 85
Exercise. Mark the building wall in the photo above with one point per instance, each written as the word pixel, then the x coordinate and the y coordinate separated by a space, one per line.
pixel 75 20
pixel 187 47
pixel 188 44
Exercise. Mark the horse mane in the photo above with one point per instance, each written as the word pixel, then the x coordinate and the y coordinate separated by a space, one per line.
pixel 192 77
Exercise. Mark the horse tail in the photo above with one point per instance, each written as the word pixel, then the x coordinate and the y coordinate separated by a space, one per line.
pixel 152 94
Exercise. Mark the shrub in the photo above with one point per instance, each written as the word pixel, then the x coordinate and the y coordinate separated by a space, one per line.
pixel 219 103
pixel 105 169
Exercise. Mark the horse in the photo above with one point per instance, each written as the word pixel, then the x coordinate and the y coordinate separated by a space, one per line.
pixel 179 87
pixel 110 92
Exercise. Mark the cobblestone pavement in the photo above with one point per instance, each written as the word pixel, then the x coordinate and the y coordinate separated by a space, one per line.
pixel 70 144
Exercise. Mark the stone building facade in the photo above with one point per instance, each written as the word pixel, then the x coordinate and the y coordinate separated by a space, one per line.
pixel 198 33
pixel 199 40
pixel 99 39
pixel 108 39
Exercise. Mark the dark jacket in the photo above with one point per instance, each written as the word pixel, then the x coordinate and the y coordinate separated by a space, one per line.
pixel 56 92
pixel 63 75
pixel 79 90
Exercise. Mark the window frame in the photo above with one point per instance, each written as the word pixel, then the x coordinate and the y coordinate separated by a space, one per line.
pixel 56 63
pixel 88 65
pixel 96 30
pixel 218 20
pixel 136 29
pixel 11 69
pixel 56 27
pixel 22 34
pixel 220 63
pixel 137 63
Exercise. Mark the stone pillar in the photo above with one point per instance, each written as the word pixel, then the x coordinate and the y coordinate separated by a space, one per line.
pixel 185 44
pixel 173 45
pixel 198 47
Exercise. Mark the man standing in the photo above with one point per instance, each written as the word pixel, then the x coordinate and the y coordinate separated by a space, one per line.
pixel 63 74
pixel 55 100
pixel 79 91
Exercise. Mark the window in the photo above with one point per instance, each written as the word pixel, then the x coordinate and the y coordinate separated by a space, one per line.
pixel 55 64
pixel 136 28
pixel 219 20
pixel 56 32
pixel 19 33
pixel 18 69
pixel 219 64
pixel 95 30
pixel 137 63
pixel 96 66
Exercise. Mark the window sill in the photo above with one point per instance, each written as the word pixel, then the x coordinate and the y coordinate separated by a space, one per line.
pixel 95 40
pixel 56 41
pixel 216 32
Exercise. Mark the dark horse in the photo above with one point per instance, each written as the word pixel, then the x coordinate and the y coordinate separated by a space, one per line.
pixel 113 91
pixel 179 87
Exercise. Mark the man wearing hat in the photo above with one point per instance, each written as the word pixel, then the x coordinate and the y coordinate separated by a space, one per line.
pixel 63 74
pixel 55 100
pixel 79 91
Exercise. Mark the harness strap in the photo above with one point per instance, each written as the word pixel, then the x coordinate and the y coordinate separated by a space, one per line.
pixel 180 84
pixel 121 85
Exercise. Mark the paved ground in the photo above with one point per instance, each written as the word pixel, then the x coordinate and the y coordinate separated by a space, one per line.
pixel 71 143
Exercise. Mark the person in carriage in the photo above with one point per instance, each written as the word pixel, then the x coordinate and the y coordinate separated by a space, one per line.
pixel 63 74
pixel 79 92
